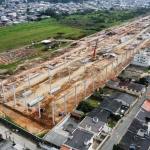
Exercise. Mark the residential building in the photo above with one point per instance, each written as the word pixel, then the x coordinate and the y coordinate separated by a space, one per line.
pixel 80 140
pixel 141 59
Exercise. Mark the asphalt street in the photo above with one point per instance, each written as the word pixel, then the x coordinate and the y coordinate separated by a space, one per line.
pixel 17 138
pixel 122 128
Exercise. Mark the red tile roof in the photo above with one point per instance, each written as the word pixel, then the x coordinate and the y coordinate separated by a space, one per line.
pixel 115 79
pixel 146 105
pixel 64 148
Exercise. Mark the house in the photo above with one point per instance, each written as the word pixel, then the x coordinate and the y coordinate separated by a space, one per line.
pixel 143 115
pixel 65 148
pixel 136 137
pixel 113 82
pixel 141 59
pixel 80 140
pixel 132 88
pixel 126 99
pixel 111 105
pixel 57 136
pixel 135 87
pixel 93 125
pixel 100 113
pixel 124 84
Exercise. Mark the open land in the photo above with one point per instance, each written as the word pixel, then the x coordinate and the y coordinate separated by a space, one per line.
pixel 116 40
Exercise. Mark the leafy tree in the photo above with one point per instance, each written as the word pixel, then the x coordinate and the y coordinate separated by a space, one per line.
pixel 84 106
pixel 117 147
pixel 143 81
pixel 121 78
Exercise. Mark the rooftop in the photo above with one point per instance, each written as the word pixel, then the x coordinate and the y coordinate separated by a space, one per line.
pixel 124 83
pixel 142 115
pixel 124 97
pixel 146 105
pixel 64 148
pixel 111 105
pixel 111 82
pixel 95 126
pixel 115 79
pixel 79 137
pixel 137 87
pixel 100 113
pixel 57 136
pixel 131 139
pixel 136 125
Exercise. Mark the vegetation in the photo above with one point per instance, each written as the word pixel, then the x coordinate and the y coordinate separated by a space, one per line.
pixel 142 81
pixel 121 78
pixel 73 26
pixel 117 147
pixel 93 103
pixel 113 119
pixel 84 106
pixel 23 34
pixel 42 134
pixel 93 21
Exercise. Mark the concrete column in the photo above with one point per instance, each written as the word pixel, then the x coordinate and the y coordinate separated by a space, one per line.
pixel 93 82
pixel 130 54
pixel 106 73
pixel 50 81
pixel 100 77
pixel 117 65
pixel 39 107
pixel 65 104
pixel 75 98
pixel 29 80
pixel 3 92
pixel 53 114
pixel 26 102
pixel 85 89
pixel 14 95
pixel 121 61
pixel 126 56
pixel 65 62
pixel 69 74
pixel 112 68
pixel 84 67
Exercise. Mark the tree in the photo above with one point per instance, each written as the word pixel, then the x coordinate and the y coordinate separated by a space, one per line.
pixel 117 147
pixel 143 81
pixel 84 106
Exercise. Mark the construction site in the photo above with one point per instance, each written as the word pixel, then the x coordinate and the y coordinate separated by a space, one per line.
pixel 34 98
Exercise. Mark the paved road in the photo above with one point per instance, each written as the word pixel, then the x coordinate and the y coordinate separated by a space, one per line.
pixel 17 139
pixel 122 128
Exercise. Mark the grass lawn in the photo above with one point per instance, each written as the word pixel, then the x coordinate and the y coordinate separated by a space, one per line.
pixel 23 34
pixel 93 102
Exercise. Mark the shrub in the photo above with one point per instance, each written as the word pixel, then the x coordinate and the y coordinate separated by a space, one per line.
pixel 84 106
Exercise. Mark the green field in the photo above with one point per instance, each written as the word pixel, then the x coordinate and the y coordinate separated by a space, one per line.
pixel 64 27
pixel 23 34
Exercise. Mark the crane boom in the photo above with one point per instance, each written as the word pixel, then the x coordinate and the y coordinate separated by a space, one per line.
pixel 95 48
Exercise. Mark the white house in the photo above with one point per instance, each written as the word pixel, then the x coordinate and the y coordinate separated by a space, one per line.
pixel 142 59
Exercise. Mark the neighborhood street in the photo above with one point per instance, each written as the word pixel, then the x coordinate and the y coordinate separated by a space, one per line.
pixel 16 138
pixel 122 128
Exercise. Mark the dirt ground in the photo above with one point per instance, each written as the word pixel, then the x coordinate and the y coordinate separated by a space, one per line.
pixel 40 85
